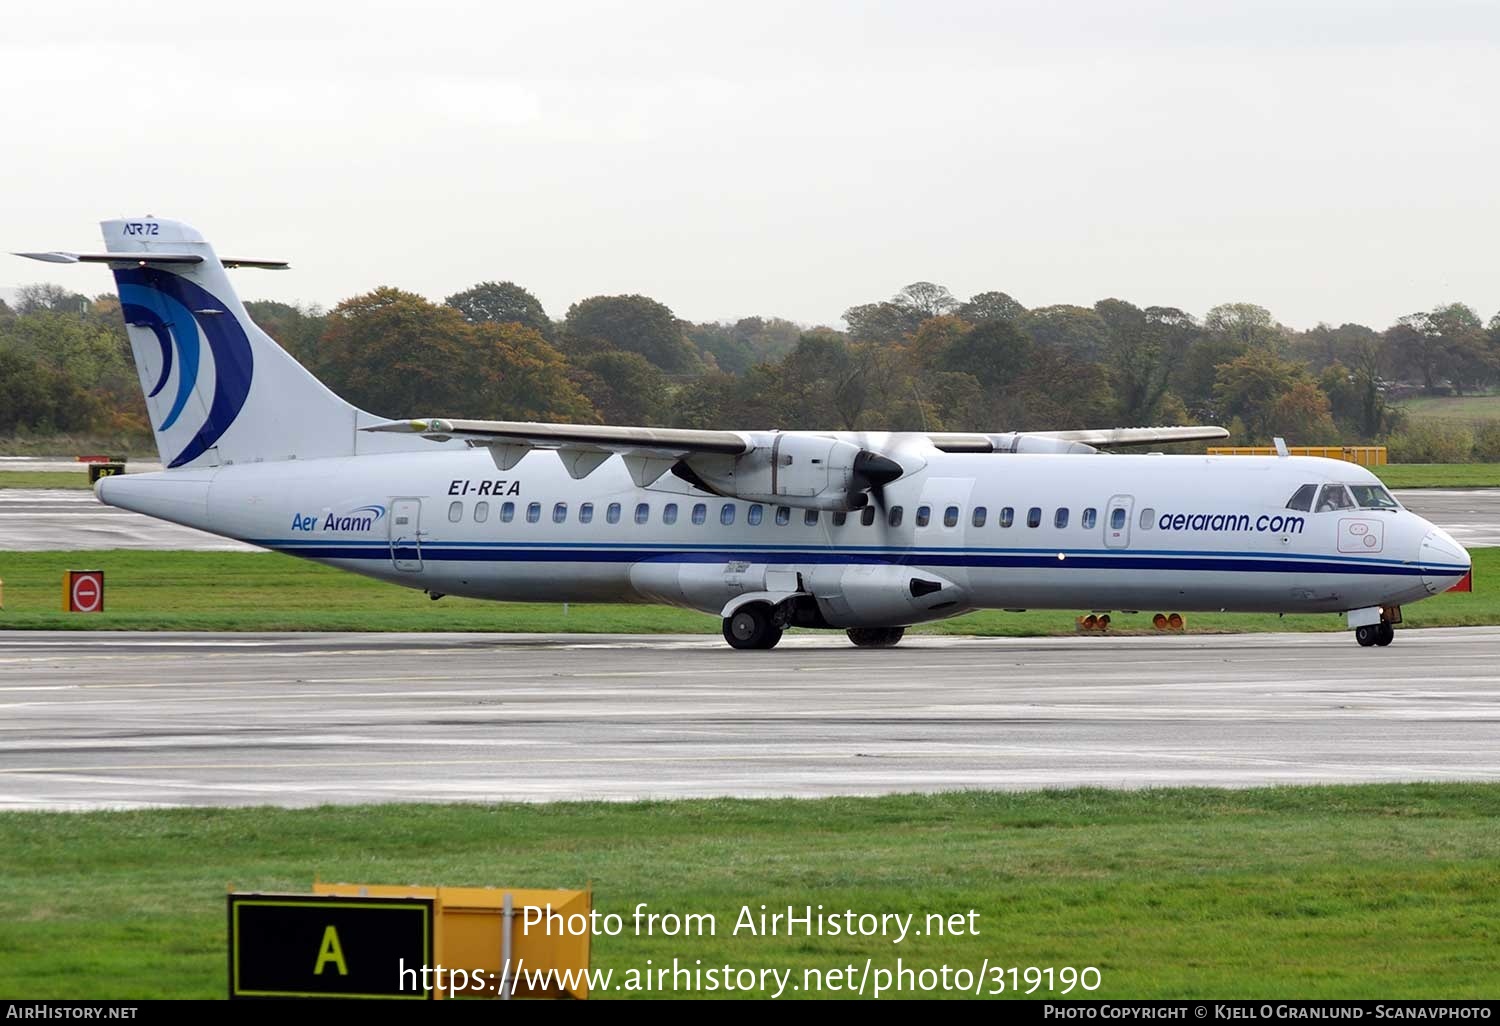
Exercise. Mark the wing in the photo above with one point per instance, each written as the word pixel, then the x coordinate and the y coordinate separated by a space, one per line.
pixel 648 452
pixel 1073 441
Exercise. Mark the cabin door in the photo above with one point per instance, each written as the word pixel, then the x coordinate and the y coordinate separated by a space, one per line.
pixel 406 534
pixel 1117 521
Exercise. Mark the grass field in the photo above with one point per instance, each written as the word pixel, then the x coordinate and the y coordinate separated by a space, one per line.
pixel 44 479
pixel 1340 892
pixel 1464 409
pixel 1439 475
pixel 253 591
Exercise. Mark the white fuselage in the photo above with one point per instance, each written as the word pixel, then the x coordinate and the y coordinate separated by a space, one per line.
pixel 1196 533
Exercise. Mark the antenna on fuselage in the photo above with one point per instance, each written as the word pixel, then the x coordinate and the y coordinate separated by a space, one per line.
pixel 1280 444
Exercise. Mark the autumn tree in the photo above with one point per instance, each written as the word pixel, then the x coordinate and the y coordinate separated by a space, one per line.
pixel 635 324
pixel 625 388
pixel 501 302
pixel 991 306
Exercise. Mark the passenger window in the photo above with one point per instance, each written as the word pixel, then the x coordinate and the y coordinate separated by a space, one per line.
pixel 455 512
pixel 1007 516
pixel 924 515
pixel 950 516
pixel 1034 517
pixel 560 513
pixel 840 519
pixel 1060 518
pixel 1117 518
pixel 642 512
pixel 783 516
pixel 533 512
pixel 1334 497
pixel 508 512
pixel 1090 518
pixel 980 513
pixel 1302 498
pixel 1148 517
pixel 586 513
pixel 611 515
pixel 754 513
pixel 481 512
pixel 810 518
pixel 669 513
pixel 700 513
pixel 726 514
pixel 1373 497
pixel 894 520
pixel 867 516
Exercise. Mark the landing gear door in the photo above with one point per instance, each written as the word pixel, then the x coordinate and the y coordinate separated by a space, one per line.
pixel 1117 517
pixel 406 534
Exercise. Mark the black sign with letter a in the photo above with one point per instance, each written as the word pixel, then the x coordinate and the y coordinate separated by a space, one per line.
pixel 315 945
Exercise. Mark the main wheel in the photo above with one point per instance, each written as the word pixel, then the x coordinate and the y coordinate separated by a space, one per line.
pixel 1366 636
pixel 752 626
pixel 1384 634
pixel 876 637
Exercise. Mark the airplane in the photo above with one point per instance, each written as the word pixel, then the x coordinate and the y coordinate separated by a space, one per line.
pixel 864 532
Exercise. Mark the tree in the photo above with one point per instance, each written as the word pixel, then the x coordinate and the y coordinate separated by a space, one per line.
pixel 1144 349
pixel 501 302
pixel 1072 331
pixel 394 352
pixel 923 299
pixel 1467 359
pixel 635 324
pixel 991 306
pixel 522 377
pixel 295 329
pixel 49 298
pixel 1246 325
pixel 880 322
pixel 625 388
pixel 1272 396
pixel 995 352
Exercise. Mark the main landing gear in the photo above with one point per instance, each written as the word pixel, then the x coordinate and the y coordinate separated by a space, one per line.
pixel 876 637
pixel 1381 634
pixel 753 626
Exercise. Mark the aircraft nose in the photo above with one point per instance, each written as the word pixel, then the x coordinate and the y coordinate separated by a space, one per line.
pixel 1444 562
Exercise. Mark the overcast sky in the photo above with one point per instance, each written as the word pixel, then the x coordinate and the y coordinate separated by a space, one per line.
pixel 1333 160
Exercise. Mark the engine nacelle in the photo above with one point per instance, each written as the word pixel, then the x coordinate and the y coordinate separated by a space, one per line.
pixel 805 471
pixel 881 595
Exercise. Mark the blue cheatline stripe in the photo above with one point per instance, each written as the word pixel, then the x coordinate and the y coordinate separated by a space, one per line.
pixel 732 550
pixel 439 552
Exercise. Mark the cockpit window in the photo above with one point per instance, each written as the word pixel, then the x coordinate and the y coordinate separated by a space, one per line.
pixel 1302 498
pixel 1373 497
pixel 1334 497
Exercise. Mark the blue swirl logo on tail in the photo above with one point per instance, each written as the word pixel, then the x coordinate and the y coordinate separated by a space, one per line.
pixel 174 310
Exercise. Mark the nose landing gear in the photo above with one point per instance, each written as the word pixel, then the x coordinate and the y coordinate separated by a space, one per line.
pixel 1381 634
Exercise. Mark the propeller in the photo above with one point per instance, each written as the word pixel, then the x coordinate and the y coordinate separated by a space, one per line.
pixel 872 472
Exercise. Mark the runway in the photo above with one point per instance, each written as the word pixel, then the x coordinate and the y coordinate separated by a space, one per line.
pixel 113 720
pixel 33 520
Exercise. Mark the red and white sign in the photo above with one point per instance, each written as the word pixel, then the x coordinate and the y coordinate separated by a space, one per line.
pixel 83 591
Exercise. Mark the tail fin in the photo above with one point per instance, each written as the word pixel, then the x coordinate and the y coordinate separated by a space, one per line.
pixel 218 389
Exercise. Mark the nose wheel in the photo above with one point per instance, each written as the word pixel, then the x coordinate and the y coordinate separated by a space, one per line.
pixel 1381 634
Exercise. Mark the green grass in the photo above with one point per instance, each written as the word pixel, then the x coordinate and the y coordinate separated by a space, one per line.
pixel 1464 408
pixel 1439 475
pixel 1337 892
pixel 251 591
pixel 44 479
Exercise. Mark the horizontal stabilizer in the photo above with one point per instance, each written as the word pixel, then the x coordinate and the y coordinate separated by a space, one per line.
pixel 143 258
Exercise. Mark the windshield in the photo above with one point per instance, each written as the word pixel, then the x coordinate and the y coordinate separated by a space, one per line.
pixel 1373 497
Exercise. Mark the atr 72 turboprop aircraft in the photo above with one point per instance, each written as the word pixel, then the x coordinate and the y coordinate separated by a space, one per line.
pixel 860 531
